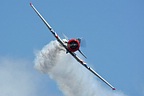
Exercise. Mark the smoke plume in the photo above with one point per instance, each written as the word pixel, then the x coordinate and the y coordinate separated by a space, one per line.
pixel 17 78
pixel 71 78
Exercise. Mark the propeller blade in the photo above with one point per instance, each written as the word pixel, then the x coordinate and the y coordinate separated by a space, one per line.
pixel 65 37
pixel 82 53
pixel 82 42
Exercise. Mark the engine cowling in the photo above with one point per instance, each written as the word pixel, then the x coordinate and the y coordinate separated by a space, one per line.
pixel 73 45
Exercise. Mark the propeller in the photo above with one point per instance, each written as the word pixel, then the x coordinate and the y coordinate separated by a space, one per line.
pixel 81 40
pixel 65 37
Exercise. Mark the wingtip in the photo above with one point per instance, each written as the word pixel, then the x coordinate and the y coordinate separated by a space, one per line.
pixel 30 4
pixel 113 88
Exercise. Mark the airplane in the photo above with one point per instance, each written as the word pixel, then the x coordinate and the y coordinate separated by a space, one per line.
pixel 71 46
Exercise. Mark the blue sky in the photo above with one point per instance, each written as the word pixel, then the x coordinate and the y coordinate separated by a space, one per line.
pixel 113 30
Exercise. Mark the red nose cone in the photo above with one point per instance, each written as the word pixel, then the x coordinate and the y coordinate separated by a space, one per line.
pixel 73 45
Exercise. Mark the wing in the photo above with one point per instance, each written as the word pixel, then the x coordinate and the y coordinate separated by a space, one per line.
pixel 73 54
pixel 95 73
pixel 90 69
pixel 49 27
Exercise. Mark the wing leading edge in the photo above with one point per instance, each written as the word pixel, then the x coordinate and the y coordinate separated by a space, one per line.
pixel 49 27
pixel 73 54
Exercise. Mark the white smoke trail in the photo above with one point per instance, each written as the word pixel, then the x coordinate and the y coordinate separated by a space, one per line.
pixel 72 78
pixel 16 78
